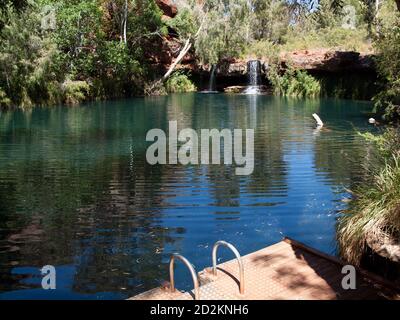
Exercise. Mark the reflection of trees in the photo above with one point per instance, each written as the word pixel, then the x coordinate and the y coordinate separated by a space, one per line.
pixel 80 192
pixel 76 189
pixel 244 112
pixel 269 167
pixel 338 151
pixel 340 162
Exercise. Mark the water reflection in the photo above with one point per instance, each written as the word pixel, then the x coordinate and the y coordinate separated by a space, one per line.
pixel 77 193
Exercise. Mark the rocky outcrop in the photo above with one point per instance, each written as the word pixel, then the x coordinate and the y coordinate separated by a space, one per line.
pixel 168 8
pixel 329 61
pixel 344 74
pixel 233 72
pixel 232 68
pixel 384 244
pixel 241 89
pixel 321 60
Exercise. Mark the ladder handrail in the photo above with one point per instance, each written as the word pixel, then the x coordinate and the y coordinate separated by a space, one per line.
pixel 238 257
pixel 192 272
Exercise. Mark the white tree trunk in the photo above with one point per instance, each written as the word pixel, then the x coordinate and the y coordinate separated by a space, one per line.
pixel 185 49
pixel 125 20
pixel 183 52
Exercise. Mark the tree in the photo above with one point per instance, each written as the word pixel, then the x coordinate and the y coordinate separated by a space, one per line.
pixel 271 19
pixel 223 24
pixel 25 57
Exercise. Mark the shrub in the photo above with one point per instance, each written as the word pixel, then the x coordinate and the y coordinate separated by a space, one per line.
pixel 179 82
pixel 373 215
pixel 4 100
pixel 295 83
pixel 75 92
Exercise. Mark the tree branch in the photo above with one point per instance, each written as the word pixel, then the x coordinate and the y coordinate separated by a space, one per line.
pixel 183 52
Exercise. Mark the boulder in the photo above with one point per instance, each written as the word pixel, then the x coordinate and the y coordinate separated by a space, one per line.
pixel 169 9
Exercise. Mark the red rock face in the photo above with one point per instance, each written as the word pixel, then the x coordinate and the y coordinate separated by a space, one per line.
pixel 327 60
pixel 168 8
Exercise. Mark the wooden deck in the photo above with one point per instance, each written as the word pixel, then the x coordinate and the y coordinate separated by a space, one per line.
pixel 286 270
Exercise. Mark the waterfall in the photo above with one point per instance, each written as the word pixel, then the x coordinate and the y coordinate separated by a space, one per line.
pixel 254 72
pixel 254 77
pixel 211 84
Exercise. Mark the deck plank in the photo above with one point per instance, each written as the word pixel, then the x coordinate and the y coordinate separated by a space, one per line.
pixel 286 270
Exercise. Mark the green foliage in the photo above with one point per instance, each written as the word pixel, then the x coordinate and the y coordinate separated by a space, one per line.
pixel 373 211
pixel 294 83
pixel 387 101
pixel 262 49
pixel 225 27
pixel 179 82
pixel 49 66
pixel 26 58
pixel 117 68
pixel 270 20
pixel 280 26
pixel 78 34
pixel 75 92
pixel 4 100
pixel 185 23
pixel 325 16
pixel 385 144
pixel 330 37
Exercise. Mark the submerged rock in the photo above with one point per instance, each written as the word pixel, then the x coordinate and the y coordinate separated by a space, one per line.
pixel 243 89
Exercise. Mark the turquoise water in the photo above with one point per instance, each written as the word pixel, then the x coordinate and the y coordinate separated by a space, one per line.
pixel 76 191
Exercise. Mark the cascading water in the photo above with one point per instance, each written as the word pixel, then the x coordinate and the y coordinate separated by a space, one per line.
pixel 211 84
pixel 254 76
pixel 254 73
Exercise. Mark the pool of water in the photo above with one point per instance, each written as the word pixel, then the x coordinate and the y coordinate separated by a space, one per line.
pixel 76 191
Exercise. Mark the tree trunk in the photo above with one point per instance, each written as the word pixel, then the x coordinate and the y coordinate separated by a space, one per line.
pixel 185 49
pixel 125 19
pixel 183 52
pixel 156 85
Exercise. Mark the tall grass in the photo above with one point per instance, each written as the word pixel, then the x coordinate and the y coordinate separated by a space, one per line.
pixel 373 216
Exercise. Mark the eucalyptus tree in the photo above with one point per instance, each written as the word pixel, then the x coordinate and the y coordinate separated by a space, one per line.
pixel 221 28
pixel 271 19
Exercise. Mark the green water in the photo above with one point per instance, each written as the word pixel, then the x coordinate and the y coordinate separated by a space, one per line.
pixel 76 191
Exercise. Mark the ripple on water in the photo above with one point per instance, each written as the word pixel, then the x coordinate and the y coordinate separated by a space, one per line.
pixel 77 193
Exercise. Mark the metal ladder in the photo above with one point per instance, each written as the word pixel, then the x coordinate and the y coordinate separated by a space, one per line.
pixel 196 284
